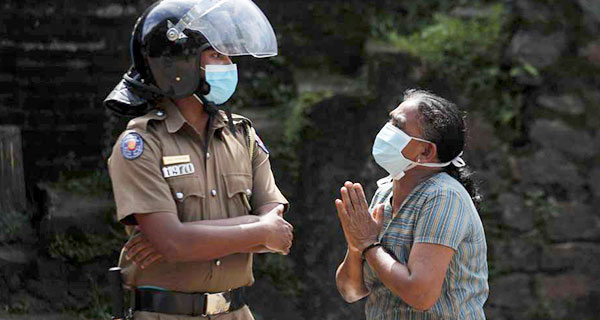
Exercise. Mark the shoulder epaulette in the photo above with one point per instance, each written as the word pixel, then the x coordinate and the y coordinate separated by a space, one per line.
pixel 239 120
pixel 142 122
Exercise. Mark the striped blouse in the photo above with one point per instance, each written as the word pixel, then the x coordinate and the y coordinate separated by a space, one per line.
pixel 440 211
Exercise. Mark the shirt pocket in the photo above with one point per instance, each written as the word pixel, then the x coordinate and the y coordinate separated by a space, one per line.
pixel 239 192
pixel 188 194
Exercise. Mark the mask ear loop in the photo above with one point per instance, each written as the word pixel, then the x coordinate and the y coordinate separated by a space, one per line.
pixel 418 162
pixel 458 161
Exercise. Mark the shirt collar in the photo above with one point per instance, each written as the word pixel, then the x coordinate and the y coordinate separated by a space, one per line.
pixel 175 119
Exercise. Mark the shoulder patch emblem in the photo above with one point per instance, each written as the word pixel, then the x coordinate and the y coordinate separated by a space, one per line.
pixel 261 144
pixel 132 146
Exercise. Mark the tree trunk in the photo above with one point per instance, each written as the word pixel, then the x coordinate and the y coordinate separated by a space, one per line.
pixel 12 180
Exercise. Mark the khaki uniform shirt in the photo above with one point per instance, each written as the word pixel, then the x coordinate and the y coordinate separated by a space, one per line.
pixel 176 173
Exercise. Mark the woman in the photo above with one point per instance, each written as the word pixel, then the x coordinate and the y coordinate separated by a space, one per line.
pixel 418 251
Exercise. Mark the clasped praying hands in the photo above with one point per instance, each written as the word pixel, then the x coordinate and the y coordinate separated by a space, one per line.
pixel 361 227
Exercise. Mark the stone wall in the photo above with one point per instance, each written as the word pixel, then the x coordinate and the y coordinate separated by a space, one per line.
pixel 58 60
pixel 318 106
pixel 548 230
pixel 540 182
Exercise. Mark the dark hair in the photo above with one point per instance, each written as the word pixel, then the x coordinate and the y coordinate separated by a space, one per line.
pixel 444 124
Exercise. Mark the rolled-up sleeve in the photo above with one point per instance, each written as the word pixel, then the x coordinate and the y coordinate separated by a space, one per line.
pixel 264 188
pixel 138 184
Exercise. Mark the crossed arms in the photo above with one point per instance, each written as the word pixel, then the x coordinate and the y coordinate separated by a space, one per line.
pixel 163 236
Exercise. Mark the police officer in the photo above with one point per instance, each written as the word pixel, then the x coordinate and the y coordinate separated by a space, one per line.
pixel 195 180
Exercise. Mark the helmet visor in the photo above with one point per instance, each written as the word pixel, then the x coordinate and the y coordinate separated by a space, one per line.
pixel 232 27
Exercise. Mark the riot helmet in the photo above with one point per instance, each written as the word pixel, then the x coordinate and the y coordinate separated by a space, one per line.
pixel 167 41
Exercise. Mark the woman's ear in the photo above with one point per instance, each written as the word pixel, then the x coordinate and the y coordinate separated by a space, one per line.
pixel 429 154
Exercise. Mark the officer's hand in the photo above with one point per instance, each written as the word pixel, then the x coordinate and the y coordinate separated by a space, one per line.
pixel 279 232
pixel 261 249
pixel 141 251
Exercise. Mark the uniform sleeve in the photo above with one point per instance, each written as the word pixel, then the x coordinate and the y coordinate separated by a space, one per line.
pixel 138 185
pixel 443 220
pixel 264 189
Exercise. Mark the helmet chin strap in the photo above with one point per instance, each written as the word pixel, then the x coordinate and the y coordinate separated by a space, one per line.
pixel 142 89
pixel 151 92
pixel 211 108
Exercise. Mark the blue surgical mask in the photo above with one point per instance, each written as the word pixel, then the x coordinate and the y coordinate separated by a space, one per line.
pixel 222 79
pixel 387 151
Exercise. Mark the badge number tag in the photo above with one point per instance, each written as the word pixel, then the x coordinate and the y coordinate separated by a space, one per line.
pixel 178 170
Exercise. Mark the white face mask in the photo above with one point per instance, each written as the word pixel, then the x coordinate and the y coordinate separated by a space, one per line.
pixel 387 151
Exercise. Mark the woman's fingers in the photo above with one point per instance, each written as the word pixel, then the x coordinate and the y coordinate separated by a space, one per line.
pixel 339 205
pixel 355 200
pixel 341 210
pixel 348 185
pixel 343 216
pixel 379 217
pixel 378 214
pixel 362 200
pixel 346 200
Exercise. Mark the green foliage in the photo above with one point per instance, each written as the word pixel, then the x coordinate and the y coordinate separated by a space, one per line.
pixel 525 69
pixel 97 182
pixel 315 34
pixel 20 306
pixel 280 270
pixel 543 206
pixel 541 311
pixel 81 248
pixel 295 121
pixel 14 226
pixel 402 17
pixel 298 117
pixel 508 109
pixel 263 83
pixel 468 50
pixel 100 305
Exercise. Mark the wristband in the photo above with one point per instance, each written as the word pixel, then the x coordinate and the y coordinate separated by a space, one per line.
pixel 371 246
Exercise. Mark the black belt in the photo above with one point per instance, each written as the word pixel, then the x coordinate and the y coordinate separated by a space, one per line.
pixel 191 304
